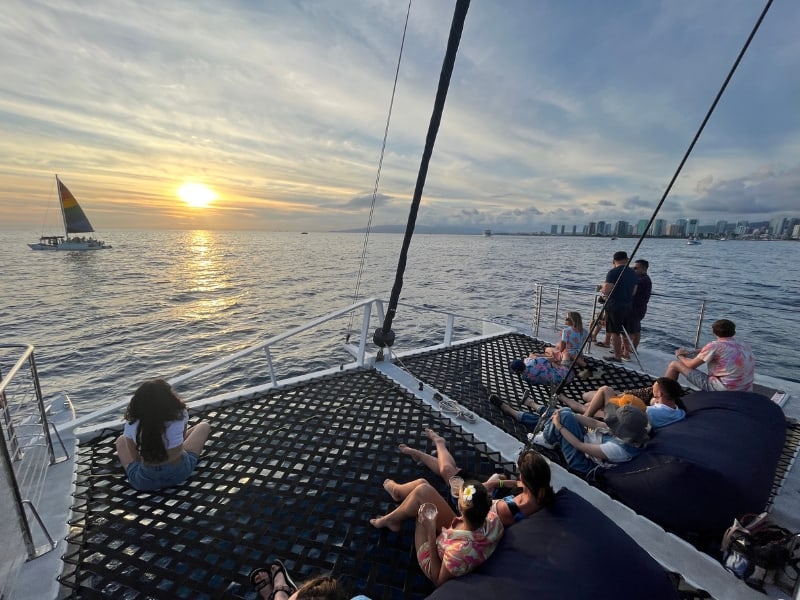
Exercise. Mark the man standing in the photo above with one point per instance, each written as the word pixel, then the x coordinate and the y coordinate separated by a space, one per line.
pixel 644 286
pixel 730 363
pixel 618 302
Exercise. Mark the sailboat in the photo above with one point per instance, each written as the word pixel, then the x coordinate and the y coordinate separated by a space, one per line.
pixel 75 221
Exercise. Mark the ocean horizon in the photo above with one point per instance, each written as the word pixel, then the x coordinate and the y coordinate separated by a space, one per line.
pixel 161 303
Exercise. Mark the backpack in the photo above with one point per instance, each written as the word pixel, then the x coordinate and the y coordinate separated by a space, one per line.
pixel 758 551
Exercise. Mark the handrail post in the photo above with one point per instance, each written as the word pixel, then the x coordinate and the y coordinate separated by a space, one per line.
pixel 537 313
pixel 271 367
pixel 362 340
pixel 558 300
pixel 42 409
pixel 700 324
pixel 448 330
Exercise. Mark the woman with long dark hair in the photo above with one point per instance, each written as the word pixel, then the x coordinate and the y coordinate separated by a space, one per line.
pixel 156 448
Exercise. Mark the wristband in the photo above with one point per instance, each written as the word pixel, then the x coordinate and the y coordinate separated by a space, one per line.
pixel 500 484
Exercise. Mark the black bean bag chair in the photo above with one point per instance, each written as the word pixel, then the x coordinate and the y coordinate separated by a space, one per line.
pixel 567 550
pixel 698 474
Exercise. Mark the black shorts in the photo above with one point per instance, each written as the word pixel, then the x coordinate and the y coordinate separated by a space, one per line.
pixel 615 318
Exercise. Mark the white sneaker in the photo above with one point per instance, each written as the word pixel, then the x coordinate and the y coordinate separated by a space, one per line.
pixel 539 440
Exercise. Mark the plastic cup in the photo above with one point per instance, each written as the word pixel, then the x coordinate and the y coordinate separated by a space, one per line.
pixel 456 483
pixel 427 511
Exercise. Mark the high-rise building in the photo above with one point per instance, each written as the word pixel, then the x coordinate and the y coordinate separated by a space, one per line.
pixel 601 228
pixel 679 229
pixel 741 227
pixel 659 228
pixel 641 226
pixel 592 228
pixel 621 228
pixel 562 229
pixel 691 228
pixel 553 229
pixel 721 227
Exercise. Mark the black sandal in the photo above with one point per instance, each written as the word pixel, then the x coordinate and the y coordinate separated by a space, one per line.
pixel 290 585
pixel 260 585
pixel 286 590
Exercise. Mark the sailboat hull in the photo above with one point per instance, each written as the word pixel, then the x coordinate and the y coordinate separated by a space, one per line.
pixel 56 243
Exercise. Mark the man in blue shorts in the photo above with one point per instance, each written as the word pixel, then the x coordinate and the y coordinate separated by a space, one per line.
pixel 620 301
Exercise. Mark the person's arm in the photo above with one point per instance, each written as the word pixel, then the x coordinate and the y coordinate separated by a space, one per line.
pixel 589 421
pixel 683 357
pixel 589 449
pixel 439 572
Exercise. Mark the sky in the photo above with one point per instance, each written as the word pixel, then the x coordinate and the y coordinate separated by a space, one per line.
pixel 559 112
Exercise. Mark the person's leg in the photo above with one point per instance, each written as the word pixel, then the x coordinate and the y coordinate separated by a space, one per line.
pixel 576 459
pixel 574 405
pixel 195 437
pixel 409 508
pixel 443 463
pixel 635 337
pixel 598 401
pixel 400 491
pixel 126 449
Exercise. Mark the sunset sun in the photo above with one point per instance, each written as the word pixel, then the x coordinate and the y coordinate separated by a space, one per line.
pixel 196 195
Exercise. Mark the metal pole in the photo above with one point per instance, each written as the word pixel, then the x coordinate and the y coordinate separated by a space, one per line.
pixel 700 324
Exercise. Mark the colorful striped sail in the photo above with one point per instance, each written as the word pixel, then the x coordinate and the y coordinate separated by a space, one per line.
pixel 75 220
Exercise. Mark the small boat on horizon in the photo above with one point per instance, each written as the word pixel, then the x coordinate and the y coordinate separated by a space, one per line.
pixel 693 241
pixel 75 221
pixel 487 232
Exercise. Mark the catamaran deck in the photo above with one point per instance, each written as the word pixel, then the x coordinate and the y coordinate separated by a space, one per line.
pixel 296 473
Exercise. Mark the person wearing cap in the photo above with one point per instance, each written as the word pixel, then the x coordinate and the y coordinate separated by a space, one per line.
pixel 587 443
pixel 622 280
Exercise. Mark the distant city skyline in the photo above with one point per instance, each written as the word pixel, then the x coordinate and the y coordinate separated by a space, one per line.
pixel 779 228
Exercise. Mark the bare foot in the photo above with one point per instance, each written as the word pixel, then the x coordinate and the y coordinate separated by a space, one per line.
pixel 412 453
pixel 530 403
pixel 434 437
pixel 391 489
pixel 384 521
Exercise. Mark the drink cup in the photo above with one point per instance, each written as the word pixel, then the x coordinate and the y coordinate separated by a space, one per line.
pixel 427 511
pixel 456 483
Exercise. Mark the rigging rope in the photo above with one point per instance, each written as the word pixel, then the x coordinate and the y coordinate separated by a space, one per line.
pixel 560 387
pixel 378 176
pixel 384 336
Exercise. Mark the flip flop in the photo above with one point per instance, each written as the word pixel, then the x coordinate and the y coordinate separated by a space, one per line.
pixel 260 585
pixel 282 569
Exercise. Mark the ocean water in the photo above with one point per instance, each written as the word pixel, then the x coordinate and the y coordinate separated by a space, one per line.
pixel 164 302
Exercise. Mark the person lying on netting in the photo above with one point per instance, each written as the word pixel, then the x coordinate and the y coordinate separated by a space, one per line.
pixel 530 492
pixel 542 370
pixel 662 401
pixel 587 443
pixel 447 545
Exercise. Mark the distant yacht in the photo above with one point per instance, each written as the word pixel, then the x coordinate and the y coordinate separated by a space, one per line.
pixel 487 232
pixel 693 241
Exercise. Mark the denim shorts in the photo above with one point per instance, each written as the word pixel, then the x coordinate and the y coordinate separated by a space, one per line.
pixel 147 478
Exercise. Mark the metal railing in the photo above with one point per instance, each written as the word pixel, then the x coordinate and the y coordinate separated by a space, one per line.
pixel 26 451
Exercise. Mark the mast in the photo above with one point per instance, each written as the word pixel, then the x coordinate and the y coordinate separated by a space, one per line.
pixel 384 336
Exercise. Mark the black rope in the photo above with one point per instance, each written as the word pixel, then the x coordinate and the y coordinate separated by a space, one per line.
pixel 378 175
pixel 384 336
pixel 560 387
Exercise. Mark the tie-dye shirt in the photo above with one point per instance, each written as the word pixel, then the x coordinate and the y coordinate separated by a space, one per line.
pixel 573 339
pixel 731 365
pixel 462 550
pixel 540 371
